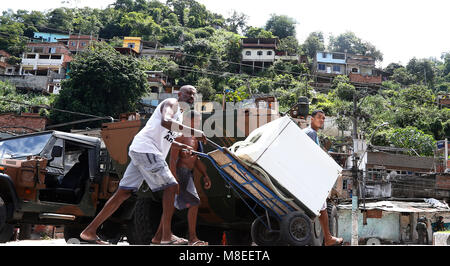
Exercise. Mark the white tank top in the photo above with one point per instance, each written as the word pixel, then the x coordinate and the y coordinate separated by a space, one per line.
pixel 154 138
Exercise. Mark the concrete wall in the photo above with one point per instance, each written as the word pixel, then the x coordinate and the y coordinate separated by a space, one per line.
pixel 27 81
pixel 255 57
pixel 387 227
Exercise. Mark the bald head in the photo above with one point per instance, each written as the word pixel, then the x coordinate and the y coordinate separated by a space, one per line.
pixel 187 94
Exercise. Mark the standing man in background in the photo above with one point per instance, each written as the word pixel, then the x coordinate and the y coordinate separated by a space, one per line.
pixel 317 122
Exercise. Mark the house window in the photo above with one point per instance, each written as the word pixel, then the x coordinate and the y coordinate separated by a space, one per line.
pixel 354 70
pixel 338 56
pixel 321 67
pixel 44 56
pixel 31 56
pixel 248 53
pixel 51 50
pixel 74 43
pixel 83 44
pixel 336 68
pixel 259 53
pixel 38 49
pixel 324 55
pixel 131 45
pixel 56 57
pixel 269 52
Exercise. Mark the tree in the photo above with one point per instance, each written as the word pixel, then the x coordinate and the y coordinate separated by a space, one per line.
pixel 313 44
pixel 290 45
pixel 102 82
pixel 140 24
pixel 237 22
pixel 205 87
pixel 402 76
pixel 61 19
pixel 281 26
pixel 423 70
pixel 348 42
pixel 255 32
pixel 413 138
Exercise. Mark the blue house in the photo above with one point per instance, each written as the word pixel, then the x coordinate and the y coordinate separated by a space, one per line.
pixel 49 37
pixel 330 63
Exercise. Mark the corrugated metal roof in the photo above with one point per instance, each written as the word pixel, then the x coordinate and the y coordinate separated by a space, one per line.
pixel 398 206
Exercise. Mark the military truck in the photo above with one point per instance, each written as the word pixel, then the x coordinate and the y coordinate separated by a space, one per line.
pixel 57 178
pixel 65 179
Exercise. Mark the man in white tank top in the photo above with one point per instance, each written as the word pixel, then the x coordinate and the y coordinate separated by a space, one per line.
pixel 148 152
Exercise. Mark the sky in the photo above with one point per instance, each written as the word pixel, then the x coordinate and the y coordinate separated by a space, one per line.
pixel 400 29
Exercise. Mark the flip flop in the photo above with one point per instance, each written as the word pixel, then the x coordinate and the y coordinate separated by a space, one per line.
pixel 175 241
pixel 337 242
pixel 97 241
pixel 166 243
pixel 180 240
pixel 199 243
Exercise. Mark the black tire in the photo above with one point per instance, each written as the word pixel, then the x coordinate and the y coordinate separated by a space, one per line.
pixel 6 230
pixel 147 216
pixel 111 232
pixel 333 219
pixel 24 231
pixel 6 233
pixel 261 235
pixel 3 213
pixel 296 229
pixel 72 231
pixel 317 233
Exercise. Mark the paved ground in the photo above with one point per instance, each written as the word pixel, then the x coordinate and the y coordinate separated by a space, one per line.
pixel 51 242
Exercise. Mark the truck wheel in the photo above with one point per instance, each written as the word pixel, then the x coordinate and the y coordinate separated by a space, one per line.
pixel 317 233
pixel 111 232
pixel 147 215
pixel 296 229
pixel 6 230
pixel 332 219
pixel 72 231
pixel 261 234
pixel 24 231
pixel 2 213
pixel 6 233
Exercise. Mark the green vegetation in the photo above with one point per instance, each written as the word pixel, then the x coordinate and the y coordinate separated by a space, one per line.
pixel 105 83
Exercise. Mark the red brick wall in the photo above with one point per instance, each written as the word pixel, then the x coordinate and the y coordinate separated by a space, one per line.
pixel 443 181
pixel 22 123
pixel 364 79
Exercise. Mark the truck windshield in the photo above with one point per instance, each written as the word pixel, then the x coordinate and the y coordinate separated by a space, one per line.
pixel 24 146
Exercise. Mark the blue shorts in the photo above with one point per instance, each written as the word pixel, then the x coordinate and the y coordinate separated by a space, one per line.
pixel 188 196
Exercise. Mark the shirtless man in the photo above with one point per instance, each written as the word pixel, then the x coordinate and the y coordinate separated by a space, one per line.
pixel 182 164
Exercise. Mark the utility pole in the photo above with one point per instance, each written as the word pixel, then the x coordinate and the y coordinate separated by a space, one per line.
pixel 355 185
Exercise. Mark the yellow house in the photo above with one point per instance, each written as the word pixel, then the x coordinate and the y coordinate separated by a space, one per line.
pixel 134 43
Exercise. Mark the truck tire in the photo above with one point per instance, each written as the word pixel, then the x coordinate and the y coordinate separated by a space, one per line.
pixel 261 235
pixel 72 231
pixel 147 215
pixel 332 219
pixel 296 229
pixel 6 230
pixel 317 233
pixel 111 232
pixel 24 231
pixel 3 213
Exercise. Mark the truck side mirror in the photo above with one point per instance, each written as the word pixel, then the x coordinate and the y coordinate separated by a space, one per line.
pixel 57 151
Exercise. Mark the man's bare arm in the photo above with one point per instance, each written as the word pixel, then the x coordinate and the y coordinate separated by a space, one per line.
pixel 168 111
